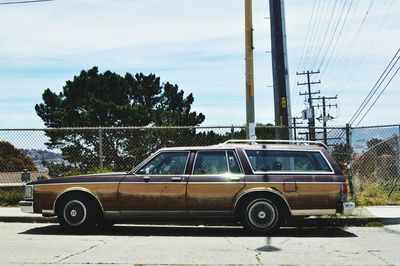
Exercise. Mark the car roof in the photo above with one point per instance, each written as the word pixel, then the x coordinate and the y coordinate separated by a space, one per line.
pixel 250 145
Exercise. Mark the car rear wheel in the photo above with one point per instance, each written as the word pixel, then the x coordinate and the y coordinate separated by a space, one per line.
pixel 260 215
pixel 78 214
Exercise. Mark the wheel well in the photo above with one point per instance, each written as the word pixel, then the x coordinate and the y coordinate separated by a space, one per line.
pixel 282 205
pixel 77 194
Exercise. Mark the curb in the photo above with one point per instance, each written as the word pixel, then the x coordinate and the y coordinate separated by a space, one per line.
pixel 27 219
pixel 341 222
pixel 307 222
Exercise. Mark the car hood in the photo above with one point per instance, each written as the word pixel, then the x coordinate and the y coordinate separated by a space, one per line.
pixel 104 178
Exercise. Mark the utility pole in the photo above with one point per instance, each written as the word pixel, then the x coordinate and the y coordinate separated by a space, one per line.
pixel 250 116
pixel 325 118
pixel 280 69
pixel 309 93
pixel 307 134
pixel 295 123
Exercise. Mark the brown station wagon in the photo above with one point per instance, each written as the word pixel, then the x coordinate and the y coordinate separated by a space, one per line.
pixel 259 183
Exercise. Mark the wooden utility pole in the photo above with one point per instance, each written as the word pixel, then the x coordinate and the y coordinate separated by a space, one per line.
pixel 250 117
pixel 309 93
pixel 280 69
pixel 295 124
pixel 325 117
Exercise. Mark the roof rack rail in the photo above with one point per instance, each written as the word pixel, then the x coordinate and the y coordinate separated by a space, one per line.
pixel 278 141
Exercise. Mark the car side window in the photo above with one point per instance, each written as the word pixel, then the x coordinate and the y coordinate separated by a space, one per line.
pixel 287 161
pixel 166 163
pixel 210 163
pixel 233 163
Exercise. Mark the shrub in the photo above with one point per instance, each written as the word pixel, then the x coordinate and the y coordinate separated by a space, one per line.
pixel 11 197
pixel 75 172
pixel 374 224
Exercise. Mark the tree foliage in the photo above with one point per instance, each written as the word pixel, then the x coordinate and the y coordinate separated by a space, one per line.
pixel 107 99
pixel 342 154
pixel 12 160
pixel 381 147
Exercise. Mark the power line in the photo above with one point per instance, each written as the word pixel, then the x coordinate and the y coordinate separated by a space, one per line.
pixel 320 30
pixel 375 88
pixel 380 94
pixel 328 29
pixel 313 31
pixel 311 43
pixel 369 45
pixel 307 35
pixel 310 29
pixel 24 2
pixel 337 39
pixel 334 68
pixel 345 58
pixel 334 34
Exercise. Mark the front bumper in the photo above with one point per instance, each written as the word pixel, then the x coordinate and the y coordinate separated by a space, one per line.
pixel 26 206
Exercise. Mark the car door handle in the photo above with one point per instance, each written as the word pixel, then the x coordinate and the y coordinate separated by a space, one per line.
pixel 177 179
pixel 146 178
pixel 235 178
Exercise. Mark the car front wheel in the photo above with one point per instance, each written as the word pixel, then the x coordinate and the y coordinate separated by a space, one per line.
pixel 78 214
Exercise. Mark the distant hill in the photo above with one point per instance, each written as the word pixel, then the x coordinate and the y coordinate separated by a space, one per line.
pixel 40 156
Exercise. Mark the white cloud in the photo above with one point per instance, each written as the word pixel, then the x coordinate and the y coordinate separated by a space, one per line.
pixel 94 27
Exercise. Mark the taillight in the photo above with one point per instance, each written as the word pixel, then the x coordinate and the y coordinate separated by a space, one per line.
pixel 344 192
pixel 344 188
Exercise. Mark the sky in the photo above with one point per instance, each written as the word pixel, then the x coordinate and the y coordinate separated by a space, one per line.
pixel 199 45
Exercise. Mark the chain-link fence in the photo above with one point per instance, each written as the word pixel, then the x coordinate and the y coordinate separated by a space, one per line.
pixel 376 164
pixel 34 154
pixel 369 156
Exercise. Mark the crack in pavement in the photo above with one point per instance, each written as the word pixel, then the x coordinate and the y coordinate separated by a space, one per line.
pixel 372 252
pixel 258 254
pixel 83 251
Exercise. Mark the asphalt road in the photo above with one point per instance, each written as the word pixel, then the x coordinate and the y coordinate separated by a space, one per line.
pixel 43 244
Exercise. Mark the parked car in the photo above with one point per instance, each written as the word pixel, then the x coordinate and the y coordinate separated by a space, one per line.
pixel 258 183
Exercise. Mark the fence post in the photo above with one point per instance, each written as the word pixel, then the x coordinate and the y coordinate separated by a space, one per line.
pixel 101 148
pixel 397 165
pixel 349 159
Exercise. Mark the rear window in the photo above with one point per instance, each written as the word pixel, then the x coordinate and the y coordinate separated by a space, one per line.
pixel 288 161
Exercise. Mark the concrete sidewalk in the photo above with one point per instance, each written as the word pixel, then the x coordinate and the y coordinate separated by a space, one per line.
pixel 387 215
pixel 15 215
pixel 384 211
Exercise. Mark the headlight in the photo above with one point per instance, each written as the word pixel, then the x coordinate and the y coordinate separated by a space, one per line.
pixel 28 194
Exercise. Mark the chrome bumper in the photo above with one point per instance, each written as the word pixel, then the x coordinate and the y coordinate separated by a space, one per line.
pixel 26 206
pixel 348 207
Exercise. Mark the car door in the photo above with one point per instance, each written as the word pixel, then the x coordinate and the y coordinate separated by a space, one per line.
pixel 156 188
pixel 215 181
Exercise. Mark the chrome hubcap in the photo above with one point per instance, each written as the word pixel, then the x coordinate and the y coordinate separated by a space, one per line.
pixel 74 212
pixel 262 214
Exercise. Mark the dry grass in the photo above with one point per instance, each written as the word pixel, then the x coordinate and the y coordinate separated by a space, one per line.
pixel 375 193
